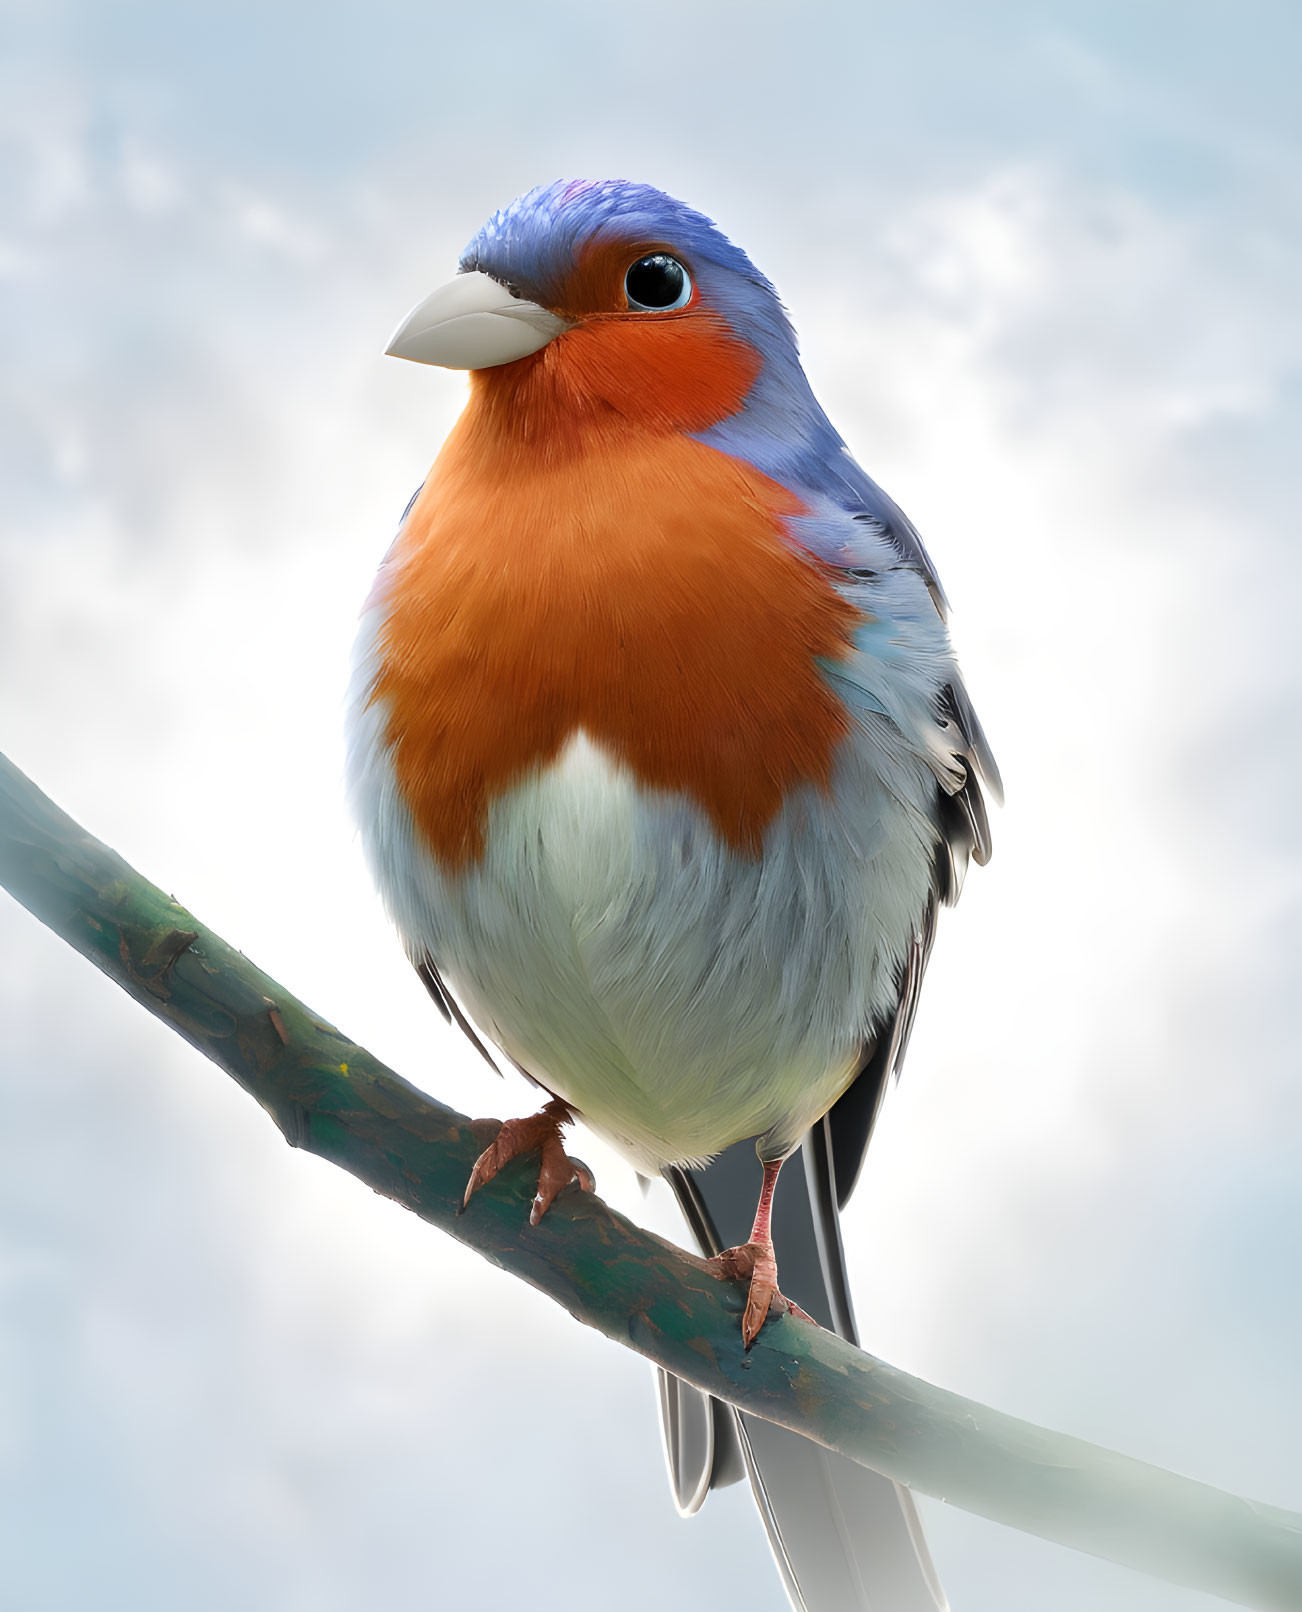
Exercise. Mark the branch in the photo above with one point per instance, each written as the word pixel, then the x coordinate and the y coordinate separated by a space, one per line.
pixel 330 1096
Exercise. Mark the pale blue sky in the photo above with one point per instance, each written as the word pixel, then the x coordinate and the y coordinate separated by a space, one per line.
pixel 1044 262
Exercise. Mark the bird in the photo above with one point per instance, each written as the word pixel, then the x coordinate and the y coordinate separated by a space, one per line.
pixel 663 765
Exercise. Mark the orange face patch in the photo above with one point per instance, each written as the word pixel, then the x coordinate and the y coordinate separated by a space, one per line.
pixel 574 562
pixel 596 283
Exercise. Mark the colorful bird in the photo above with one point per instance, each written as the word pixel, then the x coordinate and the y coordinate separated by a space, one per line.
pixel 663 764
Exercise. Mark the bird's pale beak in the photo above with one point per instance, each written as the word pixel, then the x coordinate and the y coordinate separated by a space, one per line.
pixel 473 322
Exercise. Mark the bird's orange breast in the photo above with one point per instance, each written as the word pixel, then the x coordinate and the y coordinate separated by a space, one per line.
pixel 602 576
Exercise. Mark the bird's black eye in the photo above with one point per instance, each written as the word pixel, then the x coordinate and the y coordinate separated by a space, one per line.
pixel 658 282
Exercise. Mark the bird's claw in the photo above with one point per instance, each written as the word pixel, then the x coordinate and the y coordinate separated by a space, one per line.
pixel 541 1131
pixel 755 1261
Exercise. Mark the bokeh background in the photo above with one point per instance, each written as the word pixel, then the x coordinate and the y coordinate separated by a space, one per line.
pixel 1044 260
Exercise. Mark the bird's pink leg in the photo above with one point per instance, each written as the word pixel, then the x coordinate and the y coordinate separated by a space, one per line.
pixel 756 1260
pixel 556 1169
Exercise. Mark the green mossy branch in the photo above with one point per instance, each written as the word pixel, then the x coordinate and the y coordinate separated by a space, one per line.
pixel 330 1096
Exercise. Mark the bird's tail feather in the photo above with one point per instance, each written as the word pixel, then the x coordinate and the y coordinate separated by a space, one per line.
pixel 845 1539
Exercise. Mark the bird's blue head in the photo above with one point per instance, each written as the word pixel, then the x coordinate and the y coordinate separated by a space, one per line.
pixel 573 245
pixel 648 295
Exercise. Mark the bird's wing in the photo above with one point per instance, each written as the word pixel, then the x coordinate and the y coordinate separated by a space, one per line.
pixel 852 489
pixel 949 733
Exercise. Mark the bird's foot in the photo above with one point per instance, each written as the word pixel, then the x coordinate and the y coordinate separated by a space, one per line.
pixel 756 1261
pixel 517 1136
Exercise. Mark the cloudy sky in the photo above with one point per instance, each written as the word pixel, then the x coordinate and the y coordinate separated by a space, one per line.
pixel 1044 262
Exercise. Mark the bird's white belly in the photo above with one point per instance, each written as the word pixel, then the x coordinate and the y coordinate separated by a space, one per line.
pixel 679 995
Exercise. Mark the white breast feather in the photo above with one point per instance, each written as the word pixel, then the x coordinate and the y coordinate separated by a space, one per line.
pixel 680 996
